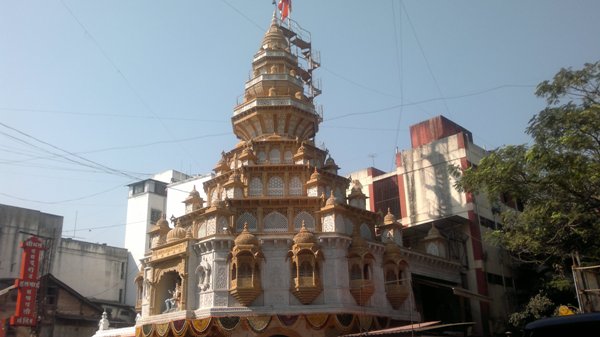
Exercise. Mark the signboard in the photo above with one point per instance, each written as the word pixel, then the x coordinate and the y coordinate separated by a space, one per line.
pixel 28 283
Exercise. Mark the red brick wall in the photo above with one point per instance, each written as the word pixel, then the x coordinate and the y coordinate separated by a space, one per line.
pixel 433 129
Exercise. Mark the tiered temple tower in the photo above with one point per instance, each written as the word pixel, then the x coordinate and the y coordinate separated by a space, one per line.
pixel 278 248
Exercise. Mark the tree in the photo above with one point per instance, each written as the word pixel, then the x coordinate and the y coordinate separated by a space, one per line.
pixel 550 189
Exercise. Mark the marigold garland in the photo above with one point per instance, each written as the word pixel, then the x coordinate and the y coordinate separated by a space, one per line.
pixel 162 329
pixel 259 323
pixel 179 327
pixel 317 321
pixel 201 325
pixel 147 329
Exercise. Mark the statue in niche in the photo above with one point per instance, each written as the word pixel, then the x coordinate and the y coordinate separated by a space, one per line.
pixel 172 303
pixel 204 271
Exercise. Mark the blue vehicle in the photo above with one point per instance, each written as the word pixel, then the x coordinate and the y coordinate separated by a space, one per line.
pixel 583 325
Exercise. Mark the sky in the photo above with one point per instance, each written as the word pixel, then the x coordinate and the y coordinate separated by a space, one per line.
pixel 95 95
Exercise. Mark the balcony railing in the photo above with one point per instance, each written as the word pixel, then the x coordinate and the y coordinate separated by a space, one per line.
pixel 273 77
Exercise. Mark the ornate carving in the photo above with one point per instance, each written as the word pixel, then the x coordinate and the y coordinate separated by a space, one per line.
pixel 204 275
pixel 166 252
pixel 221 299
pixel 221 278
pixel 328 223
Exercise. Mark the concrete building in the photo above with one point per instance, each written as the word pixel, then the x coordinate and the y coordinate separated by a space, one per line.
pixel 103 267
pixel 148 200
pixel 89 275
pixel 421 192
pixel 16 225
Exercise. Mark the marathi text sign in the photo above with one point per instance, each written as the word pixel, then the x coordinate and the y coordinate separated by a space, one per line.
pixel 28 283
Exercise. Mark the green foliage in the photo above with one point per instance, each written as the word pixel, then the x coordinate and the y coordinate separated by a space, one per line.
pixel 548 191
pixel 539 306
pixel 555 182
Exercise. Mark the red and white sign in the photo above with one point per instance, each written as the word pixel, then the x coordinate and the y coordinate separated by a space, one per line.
pixel 28 283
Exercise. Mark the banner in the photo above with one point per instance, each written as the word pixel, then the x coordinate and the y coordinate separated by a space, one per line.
pixel 28 283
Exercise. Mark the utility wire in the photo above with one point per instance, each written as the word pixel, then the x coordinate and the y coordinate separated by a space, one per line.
pixel 400 64
pixel 435 81
pixel 125 79
pixel 244 16
pixel 475 93
pixel 126 147
pixel 66 200
pixel 82 160
pixel 100 114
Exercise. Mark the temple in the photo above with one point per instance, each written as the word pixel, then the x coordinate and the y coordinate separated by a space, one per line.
pixel 283 245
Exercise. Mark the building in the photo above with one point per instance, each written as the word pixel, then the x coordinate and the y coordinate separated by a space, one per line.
pixel 85 275
pixel 16 225
pixel 146 203
pixel 275 245
pixel 421 191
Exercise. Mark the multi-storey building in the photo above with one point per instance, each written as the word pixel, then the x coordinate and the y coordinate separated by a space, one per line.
pixel 146 203
pixel 77 279
pixel 421 192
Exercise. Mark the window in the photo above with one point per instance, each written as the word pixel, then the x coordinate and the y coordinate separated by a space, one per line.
pixel 137 188
pixel 275 187
pixel 51 294
pixel 494 278
pixel 255 187
pixel 288 157
pixel 390 276
pixel 202 230
pixel 160 188
pixel 245 270
pixel 295 186
pixel 247 218
pixel 275 222
pixel 309 221
pixel 155 215
pixel 306 269
pixel 120 295
pixel 275 156
pixel 262 157
pixel 122 270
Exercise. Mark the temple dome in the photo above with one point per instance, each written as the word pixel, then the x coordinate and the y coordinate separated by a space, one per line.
pixel 274 38
pixel 389 218
pixel 194 195
pixel 245 237
pixel 304 236
pixel 163 223
pixel 331 200
pixel 315 175
pixel 176 233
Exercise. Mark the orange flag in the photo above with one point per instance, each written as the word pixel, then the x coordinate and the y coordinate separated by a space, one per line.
pixel 285 7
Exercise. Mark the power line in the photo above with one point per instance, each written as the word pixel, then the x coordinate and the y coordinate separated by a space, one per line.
pixel 435 81
pixel 63 201
pixel 125 79
pixel 400 63
pixel 83 161
pixel 101 114
pixel 126 147
pixel 429 100
pixel 244 16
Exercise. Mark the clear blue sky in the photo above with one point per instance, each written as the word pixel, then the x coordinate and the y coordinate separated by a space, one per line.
pixel 145 86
